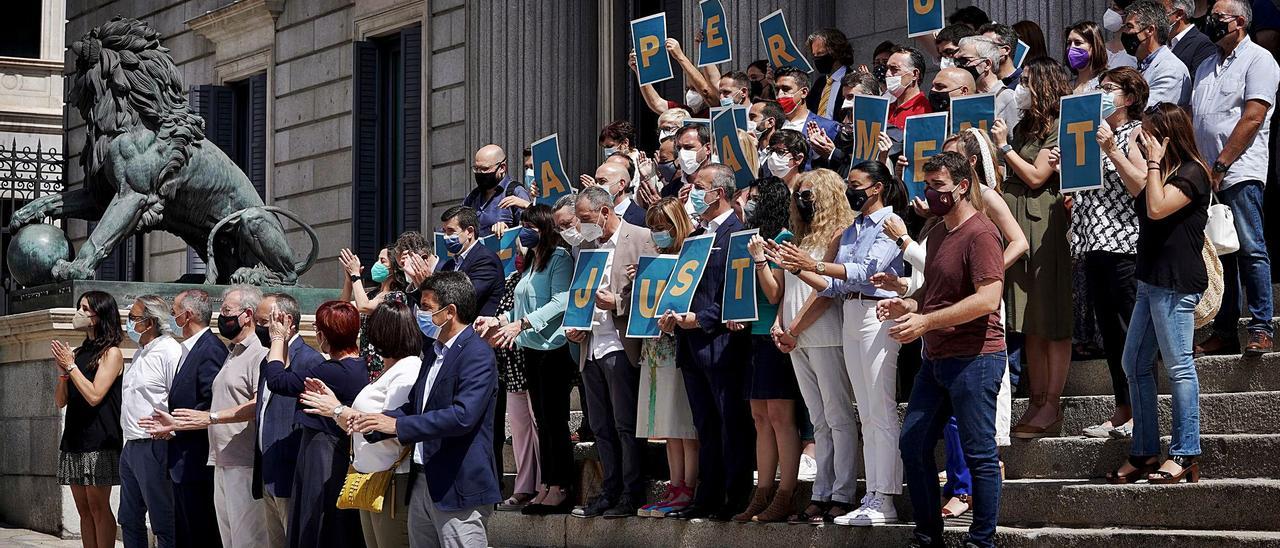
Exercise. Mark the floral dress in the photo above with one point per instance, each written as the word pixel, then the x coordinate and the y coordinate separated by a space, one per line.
pixel 662 409
pixel 370 354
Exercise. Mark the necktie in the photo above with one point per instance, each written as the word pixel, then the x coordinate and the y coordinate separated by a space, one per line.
pixel 826 96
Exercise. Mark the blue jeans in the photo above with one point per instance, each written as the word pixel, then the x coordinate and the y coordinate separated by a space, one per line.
pixel 1249 268
pixel 145 488
pixel 1163 320
pixel 957 471
pixel 1014 343
pixel 966 388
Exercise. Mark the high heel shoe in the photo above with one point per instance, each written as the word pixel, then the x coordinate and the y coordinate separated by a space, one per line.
pixel 759 501
pixel 1028 432
pixel 1190 469
pixel 1141 467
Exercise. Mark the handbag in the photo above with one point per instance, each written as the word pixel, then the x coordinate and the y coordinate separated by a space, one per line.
pixel 1211 300
pixel 365 491
pixel 1221 227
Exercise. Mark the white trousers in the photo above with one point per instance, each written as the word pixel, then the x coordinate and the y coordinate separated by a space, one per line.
pixel 242 520
pixel 824 385
pixel 1004 400
pixel 871 358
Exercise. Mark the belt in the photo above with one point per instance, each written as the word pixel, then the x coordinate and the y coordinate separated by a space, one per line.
pixel 861 297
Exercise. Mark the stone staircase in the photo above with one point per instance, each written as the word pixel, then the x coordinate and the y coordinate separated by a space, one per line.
pixel 1054 494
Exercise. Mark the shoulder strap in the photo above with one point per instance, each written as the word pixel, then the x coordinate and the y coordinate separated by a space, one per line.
pixel 403 455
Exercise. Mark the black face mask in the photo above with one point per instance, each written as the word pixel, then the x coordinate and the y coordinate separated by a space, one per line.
pixel 264 335
pixel 824 63
pixel 857 198
pixel 804 205
pixel 757 89
pixel 1214 29
pixel 940 101
pixel 880 71
pixel 667 171
pixel 229 326
pixel 973 71
pixel 1130 42
pixel 486 181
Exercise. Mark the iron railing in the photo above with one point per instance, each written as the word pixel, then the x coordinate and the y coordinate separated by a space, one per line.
pixel 25 175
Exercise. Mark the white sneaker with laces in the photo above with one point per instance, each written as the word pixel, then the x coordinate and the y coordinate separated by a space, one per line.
pixel 879 510
pixel 808 468
pixel 849 519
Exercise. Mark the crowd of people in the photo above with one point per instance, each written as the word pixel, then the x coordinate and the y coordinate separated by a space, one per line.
pixel 243 434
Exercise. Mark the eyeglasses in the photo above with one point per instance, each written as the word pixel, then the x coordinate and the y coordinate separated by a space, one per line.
pixel 1108 87
pixel 136 319
pixel 1224 17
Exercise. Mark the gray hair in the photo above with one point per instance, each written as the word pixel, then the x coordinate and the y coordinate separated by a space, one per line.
pixel 287 304
pixel 722 178
pixel 156 308
pixel 597 196
pixel 1150 13
pixel 1187 6
pixel 568 200
pixel 249 295
pixel 197 303
pixel 1243 8
pixel 986 48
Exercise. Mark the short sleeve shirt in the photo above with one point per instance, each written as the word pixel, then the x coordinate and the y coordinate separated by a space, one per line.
pixel 231 444
pixel 1169 249
pixel 1222 87
pixel 956 261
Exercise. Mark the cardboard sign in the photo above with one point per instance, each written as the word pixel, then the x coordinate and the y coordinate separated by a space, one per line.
pixel 739 301
pixel 649 40
pixel 870 118
pixel 652 274
pixel 724 135
pixel 1077 138
pixel 1020 54
pixel 548 171
pixel 442 250
pixel 781 50
pixel 923 17
pixel 505 248
pixel 922 138
pixel 688 271
pixel 973 111
pixel 588 273
pixel 715 47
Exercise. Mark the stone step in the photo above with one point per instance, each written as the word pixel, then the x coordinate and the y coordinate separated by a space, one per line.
pixel 513 529
pixel 1230 505
pixel 1217 374
pixel 1231 413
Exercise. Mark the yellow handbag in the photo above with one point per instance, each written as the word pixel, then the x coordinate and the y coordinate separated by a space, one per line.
pixel 364 491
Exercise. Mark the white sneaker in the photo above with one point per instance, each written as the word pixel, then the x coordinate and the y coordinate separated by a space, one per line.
pixel 879 510
pixel 848 519
pixel 808 468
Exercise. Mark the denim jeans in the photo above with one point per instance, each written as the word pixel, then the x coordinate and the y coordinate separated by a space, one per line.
pixel 957 471
pixel 1163 320
pixel 1249 268
pixel 966 388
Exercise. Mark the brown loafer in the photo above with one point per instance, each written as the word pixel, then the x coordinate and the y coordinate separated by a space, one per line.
pixel 1216 346
pixel 1259 343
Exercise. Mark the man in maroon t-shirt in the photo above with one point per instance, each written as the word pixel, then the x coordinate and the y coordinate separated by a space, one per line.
pixel 957 314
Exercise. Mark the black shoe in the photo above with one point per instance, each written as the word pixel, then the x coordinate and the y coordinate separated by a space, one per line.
pixel 695 511
pixel 564 507
pixel 625 508
pixel 596 507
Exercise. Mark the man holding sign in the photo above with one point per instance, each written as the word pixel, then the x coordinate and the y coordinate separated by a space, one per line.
pixel 610 376
pixel 649 40
pixel 712 358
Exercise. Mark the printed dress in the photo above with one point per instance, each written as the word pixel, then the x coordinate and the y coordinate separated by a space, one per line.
pixel 662 409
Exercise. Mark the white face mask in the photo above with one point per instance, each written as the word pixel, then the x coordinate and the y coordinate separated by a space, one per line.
pixel 688 161
pixel 894 85
pixel 694 100
pixel 1023 97
pixel 751 127
pixel 947 62
pixel 590 231
pixel 1112 21
pixel 572 237
pixel 778 164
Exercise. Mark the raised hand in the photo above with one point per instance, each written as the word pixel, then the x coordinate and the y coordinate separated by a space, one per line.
pixel 350 262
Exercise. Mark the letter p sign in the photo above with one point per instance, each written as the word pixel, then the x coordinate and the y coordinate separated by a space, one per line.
pixel 649 46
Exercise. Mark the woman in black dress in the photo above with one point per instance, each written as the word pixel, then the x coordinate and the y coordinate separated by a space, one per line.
pixel 89 389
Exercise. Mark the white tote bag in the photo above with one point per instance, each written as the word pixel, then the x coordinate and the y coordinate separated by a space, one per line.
pixel 1221 228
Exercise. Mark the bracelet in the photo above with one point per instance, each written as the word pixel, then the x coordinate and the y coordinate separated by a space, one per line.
pixel 273 339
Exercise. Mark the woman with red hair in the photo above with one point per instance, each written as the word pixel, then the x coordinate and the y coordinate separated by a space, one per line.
pixel 324 448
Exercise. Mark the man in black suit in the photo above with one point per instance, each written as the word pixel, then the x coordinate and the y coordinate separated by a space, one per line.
pixel 192 388
pixel 1190 45
pixel 713 361
pixel 469 256
pixel 832 58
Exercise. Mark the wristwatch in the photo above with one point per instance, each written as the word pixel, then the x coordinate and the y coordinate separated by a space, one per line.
pixel 1005 149
pixel 354 278
pixel 822 267
pixel 525 324
pixel 337 411
pixel 1219 167
pixel 213 417
pixel 902 240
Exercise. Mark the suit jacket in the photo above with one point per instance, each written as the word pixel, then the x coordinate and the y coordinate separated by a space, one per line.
pixel 278 433
pixel 633 241
pixel 711 344
pixel 485 270
pixel 1193 49
pixel 455 428
pixel 832 129
pixel 192 388
pixel 815 92
pixel 634 214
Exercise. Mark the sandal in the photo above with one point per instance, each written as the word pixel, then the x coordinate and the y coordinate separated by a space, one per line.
pixel 515 502
pixel 759 501
pixel 1142 466
pixel 665 498
pixel 1190 469
pixel 815 510
pixel 947 513
pixel 836 510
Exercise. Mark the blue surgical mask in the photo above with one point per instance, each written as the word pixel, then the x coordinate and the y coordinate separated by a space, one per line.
pixel 698 200
pixel 131 332
pixel 662 239
pixel 528 177
pixel 452 243
pixel 1108 105
pixel 726 101
pixel 379 272
pixel 427 325
pixel 529 237
pixel 608 151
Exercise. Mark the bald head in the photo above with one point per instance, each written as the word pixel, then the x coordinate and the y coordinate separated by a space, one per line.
pixel 613 177
pixel 490 158
pixel 957 81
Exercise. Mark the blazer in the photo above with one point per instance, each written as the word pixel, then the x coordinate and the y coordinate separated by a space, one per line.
pixel 278 434
pixel 819 84
pixel 634 214
pixel 709 343
pixel 485 270
pixel 346 378
pixel 192 388
pixel 832 129
pixel 454 425
pixel 1193 49
pixel 633 241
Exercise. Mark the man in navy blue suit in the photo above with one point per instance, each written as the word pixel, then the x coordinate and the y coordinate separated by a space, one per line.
pixel 469 256
pixel 453 483
pixel 192 388
pixel 713 363
pixel 820 132
pixel 278 438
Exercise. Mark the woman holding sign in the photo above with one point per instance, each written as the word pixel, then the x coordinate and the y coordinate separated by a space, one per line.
pixel 1038 286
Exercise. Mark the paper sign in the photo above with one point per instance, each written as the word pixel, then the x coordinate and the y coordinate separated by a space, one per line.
pixel 442 250
pixel 922 138
pixel 652 274
pixel 548 171
pixel 1020 54
pixel 588 273
pixel 870 117
pixel 698 121
pixel 973 111
pixel 714 47
pixel 923 17
pixel 505 248
pixel 740 116
pixel 781 50
pixel 724 135
pixel 649 40
pixel 690 266
pixel 739 301
pixel 1077 138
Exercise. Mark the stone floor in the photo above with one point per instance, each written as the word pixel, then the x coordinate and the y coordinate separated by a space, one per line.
pixel 22 537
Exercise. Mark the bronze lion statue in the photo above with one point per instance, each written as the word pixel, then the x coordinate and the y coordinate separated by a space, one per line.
pixel 147 166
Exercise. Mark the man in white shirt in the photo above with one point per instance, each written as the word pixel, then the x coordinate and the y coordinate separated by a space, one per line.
pixel 610 376
pixel 1144 35
pixel 145 486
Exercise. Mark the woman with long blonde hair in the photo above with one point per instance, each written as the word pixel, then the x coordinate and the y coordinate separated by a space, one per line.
pixel 808 327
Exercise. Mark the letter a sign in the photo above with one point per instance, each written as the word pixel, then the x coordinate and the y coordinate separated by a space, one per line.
pixel 587 276
pixel 923 17
pixel 547 170
pixel 649 39
pixel 1077 136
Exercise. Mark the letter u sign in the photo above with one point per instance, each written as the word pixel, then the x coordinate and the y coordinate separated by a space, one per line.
pixel 922 7
pixel 583 296
pixel 650 290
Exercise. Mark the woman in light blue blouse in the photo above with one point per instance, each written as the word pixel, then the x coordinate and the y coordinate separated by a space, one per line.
pixel 870 356
pixel 534 325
